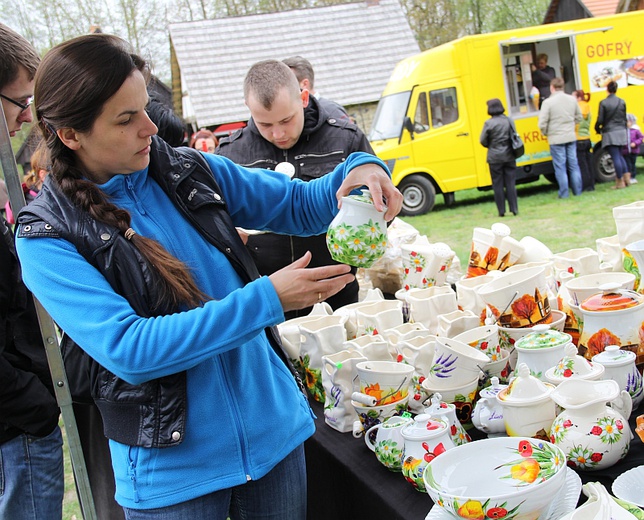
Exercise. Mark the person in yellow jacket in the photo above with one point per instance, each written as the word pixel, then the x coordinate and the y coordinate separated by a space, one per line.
pixel 584 146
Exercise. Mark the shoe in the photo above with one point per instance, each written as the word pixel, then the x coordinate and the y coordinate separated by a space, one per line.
pixel 627 179
pixel 619 184
pixel 515 213
pixel 501 215
pixel 633 180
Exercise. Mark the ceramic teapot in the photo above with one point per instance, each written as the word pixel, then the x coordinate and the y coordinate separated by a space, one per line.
pixel 447 412
pixel 620 366
pixel 613 316
pixel 592 435
pixel 389 442
pixel 488 412
pixel 425 439
pixel 357 235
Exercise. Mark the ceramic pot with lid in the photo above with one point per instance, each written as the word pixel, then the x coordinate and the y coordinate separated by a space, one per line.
pixel 620 367
pixel 612 317
pixel 573 366
pixel 528 410
pixel 425 439
pixel 541 349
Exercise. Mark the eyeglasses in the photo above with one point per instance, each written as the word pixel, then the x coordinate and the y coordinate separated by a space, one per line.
pixel 22 106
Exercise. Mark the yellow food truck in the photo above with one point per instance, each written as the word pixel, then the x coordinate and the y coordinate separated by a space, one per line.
pixel 431 113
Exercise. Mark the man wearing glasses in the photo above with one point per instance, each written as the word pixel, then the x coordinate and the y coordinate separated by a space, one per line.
pixel 31 455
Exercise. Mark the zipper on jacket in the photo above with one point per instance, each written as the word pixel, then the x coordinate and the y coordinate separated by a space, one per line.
pixel 241 432
pixel 132 473
pixel 133 195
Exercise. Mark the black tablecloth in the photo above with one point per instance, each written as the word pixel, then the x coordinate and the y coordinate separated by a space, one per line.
pixel 346 481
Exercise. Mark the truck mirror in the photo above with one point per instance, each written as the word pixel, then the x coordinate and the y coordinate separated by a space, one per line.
pixel 409 126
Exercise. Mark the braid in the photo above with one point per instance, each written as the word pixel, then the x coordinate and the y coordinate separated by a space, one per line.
pixel 177 288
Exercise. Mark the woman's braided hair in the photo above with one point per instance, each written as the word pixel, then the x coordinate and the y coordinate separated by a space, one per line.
pixel 73 82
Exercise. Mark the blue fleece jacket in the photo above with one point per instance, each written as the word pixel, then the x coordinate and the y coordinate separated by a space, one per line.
pixel 245 412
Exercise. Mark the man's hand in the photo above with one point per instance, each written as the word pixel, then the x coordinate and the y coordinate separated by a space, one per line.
pixel 379 184
pixel 298 287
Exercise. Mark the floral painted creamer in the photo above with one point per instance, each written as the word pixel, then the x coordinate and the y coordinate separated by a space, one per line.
pixel 592 435
pixel 357 235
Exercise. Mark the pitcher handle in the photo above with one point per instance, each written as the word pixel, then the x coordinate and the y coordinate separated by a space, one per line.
pixel 623 404
pixel 367 437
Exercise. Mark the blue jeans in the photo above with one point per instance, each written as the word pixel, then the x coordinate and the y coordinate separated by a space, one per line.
pixel 615 153
pixel 32 481
pixel 564 160
pixel 279 495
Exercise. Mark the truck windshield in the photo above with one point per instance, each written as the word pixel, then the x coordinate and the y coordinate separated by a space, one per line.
pixel 388 121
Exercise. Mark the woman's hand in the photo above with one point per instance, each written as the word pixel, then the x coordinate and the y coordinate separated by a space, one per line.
pixel 298 287
pixel 379 184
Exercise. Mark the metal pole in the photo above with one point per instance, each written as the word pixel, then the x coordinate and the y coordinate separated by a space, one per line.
pixel 50 339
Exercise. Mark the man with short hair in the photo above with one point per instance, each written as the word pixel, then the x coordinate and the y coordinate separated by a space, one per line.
pixel 557 119
pixel 291 132
pixel 31 453
pixel 303 71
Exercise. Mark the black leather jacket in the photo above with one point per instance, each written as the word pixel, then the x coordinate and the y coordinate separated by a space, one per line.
pixel 151 414
pixel 27 402
pixel 325 142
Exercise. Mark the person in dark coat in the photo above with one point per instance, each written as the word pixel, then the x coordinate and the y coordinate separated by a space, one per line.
pixel 611 124
pixel 542 75
pixel 496 137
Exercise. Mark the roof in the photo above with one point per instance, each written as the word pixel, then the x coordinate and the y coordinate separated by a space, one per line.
pixel 601 7
pixel 562 10
pixel 353 49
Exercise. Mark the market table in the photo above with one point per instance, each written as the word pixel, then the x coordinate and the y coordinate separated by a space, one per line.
pixel 346 481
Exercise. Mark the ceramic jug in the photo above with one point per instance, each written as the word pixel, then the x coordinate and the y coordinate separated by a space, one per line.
pixel 357 235
pixel 610 252
pixel 620 366
pixel 389 443
pixel 633 262
pixel 425 305
pixel 468 297
pixel 425 439
pixel 395 335
pixel 453 323
pixel 419 353
pixel 349 311
pixel 425 264
pixel 381 315
pixel 591 434
pixel 492 249
pixel 488 412
pixel 579 261
pixel 321 337
pixel 337 380
pixel 447 411
pixel 599 506
pixel 374 348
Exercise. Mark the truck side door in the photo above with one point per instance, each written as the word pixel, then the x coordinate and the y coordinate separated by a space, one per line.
pixel 443 141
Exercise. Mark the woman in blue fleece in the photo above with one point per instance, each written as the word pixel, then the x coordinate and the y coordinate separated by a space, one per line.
pixel 144 271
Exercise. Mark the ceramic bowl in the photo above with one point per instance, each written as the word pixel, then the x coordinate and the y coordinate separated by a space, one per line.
pixel 629 486
pixel 519 298
pixel 485 339
pixel 369 416
pixel 499 367
pixel 455 363
pixel 462 397
pixel 508 336
pixel 386 381
pixel 500 477
pixel 582 287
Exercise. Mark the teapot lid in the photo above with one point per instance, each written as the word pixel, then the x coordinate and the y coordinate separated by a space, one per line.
pixel 611 298
pixel 424 426
pixel 493 389
pixel 438 407
pixel 542 336
pixel 573 365
pixel 525 387
pixel 613 356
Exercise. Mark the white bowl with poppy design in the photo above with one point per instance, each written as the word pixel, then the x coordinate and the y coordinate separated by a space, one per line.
pixel 501 477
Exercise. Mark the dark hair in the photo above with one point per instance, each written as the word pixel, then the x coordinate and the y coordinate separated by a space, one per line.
pixel 15 52
pixel 266 78
pixel 495 107
pixel 611 87
pixel 302 69
pixel 171 127
pixel 584 96
pixel 73 83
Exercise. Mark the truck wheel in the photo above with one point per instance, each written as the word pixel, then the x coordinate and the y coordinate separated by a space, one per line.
pixel 419 195
pixel 603 164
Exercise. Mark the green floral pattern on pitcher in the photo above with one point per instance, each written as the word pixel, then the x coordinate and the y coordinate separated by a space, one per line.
pixel 359 246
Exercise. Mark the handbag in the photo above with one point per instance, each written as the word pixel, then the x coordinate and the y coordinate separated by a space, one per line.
pixel 518 148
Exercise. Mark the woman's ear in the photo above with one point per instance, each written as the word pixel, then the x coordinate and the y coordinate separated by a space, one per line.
pixel 69 138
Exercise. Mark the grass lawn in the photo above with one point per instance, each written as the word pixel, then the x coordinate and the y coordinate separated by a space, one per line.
pixel 560 224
